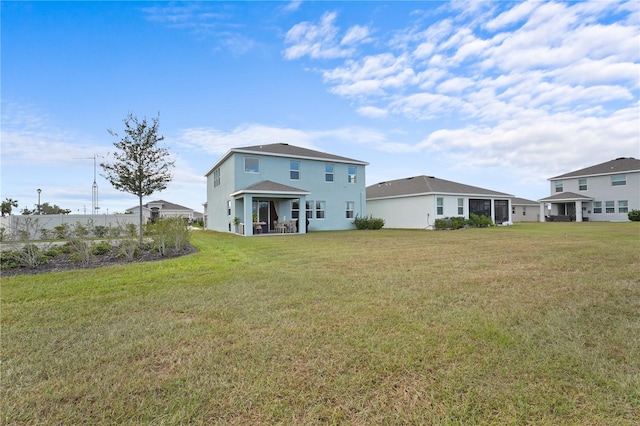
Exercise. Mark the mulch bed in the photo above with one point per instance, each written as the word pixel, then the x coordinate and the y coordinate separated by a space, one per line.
pixel 65 263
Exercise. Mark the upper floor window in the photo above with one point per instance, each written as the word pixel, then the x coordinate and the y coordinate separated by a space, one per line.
pixel 294 170
pixel 460 206
pixel 216 177
pixel 328 172
pixel 559 187
pixel 440 206
pixel 351 174
pixel 251 165
pixel 618 180
pixel 582 184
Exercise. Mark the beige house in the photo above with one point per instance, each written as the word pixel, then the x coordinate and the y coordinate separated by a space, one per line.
pixel 604 192
pixel 523 210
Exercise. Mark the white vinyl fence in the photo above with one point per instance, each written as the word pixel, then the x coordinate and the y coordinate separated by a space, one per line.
pixel 34 224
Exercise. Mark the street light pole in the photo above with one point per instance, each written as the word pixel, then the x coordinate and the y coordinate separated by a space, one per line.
pixel 39 191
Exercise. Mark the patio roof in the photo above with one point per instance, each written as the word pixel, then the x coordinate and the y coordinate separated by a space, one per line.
pixel 270 188
pixel 566 197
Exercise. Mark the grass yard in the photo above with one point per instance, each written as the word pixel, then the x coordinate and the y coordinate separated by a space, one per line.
pixel 530 324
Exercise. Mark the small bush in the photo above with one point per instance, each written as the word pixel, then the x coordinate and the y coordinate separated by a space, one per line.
pixel 634 215
pixel 100 231
pixel 61 232
pixel 368 222
pixel 479 221
pixel 101 248
pixel 450 223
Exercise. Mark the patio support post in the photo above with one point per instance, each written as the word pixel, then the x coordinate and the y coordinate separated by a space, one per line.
pixel 578 211
pixel 542 212
pixel 302 215
pixel 248 215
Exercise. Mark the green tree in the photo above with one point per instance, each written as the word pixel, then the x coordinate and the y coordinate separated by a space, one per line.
pixel 45 208
pixel 140 166
pixel 7 205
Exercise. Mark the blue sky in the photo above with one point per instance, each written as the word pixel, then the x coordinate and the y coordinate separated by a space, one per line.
pixel 500 95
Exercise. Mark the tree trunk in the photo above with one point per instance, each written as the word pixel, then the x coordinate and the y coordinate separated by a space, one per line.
pixel 140 229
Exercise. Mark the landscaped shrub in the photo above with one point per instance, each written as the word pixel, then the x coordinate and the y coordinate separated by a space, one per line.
pixel 61 232
pixel 100 231
pixel 456 222
pixel 368 222
pixel 479 221
pixel 634 215
pixel 101 248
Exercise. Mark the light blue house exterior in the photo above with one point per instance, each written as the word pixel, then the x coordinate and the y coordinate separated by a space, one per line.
pixel 284 183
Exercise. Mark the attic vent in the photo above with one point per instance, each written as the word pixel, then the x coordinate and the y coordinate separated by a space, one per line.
pixel 410 178
pixel 621 158
pixel 431 177
pixel 284 144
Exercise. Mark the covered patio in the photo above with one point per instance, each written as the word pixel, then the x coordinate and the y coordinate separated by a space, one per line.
pixel 565 207
pixel 268 207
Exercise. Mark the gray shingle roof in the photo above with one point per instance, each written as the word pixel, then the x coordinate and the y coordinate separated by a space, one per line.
pixel 619 165
pixel 567 196
pixel 267 186
pixel 422 185
pixel 165 205
pixel 515 201
pixel 286 150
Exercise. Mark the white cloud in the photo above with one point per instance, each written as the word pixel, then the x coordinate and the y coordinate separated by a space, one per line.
pixel 372 112
pixel 320 41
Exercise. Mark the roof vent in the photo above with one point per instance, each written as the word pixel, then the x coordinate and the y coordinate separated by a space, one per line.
pixel 621 158
pixel 431 177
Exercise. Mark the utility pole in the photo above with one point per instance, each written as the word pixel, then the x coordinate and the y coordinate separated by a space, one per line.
pixel 94 188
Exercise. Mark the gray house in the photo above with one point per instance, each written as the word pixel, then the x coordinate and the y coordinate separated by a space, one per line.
pixel 604 192
pixel 282 188
pixel 416 202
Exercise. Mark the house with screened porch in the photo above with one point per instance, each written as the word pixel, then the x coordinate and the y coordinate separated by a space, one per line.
pixel 604 192
pixel 281 188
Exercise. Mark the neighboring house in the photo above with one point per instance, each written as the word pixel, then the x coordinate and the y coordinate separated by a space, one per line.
pixel 281 182
pixel 161 208
pixel 523 210
pixel 604 192
pixel 416 202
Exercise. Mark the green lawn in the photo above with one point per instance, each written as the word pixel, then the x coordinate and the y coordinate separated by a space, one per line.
pixel 530 324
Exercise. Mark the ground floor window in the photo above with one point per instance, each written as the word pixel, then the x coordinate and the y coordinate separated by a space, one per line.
pixel 597 207
pixel 623 206
pixel 609 207
pixel 295 209
pixel 460 206
pixel 439 206
pixel 309 206
pixel 320 209
pixel 350 208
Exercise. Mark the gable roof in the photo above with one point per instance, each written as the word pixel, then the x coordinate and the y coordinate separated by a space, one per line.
pixel 619 165
pixel 165 206
pixel 515 201
pixel 423 185
pixel 270 187
pixel 288 151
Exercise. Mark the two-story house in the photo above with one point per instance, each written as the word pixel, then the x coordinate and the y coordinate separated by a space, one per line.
pixel 604 192
pixel 259 189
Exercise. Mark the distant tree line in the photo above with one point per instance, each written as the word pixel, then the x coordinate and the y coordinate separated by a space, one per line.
pixel 45 208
